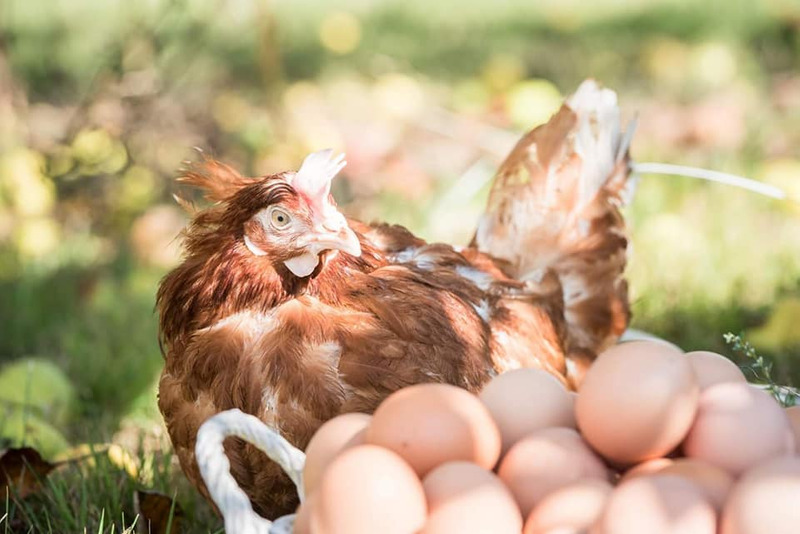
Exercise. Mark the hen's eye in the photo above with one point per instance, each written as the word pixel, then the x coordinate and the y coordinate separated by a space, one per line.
pixel 279 218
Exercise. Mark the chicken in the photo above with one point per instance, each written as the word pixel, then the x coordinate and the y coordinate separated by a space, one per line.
pixel 291 312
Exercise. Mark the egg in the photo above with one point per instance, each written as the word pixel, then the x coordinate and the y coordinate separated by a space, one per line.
pixel 657 504
pixel 302 519
pixel 713 481
pixel 573 508
pixel 524 400
pixel 637 401
pixel 765 500
pixel 368 490
pixel 545 461
pixel 794 420
pixel 737 427
pixel 646 468
pixel 468 499
pixel 329 440
pixel 711 368
pixel 430 424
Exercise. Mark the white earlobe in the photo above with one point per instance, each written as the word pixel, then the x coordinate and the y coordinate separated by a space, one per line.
pixel 302 265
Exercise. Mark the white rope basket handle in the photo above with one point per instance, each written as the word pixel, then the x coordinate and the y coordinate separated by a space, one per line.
pixel 215 469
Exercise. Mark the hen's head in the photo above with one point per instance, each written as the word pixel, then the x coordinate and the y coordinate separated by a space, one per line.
pixel 287 219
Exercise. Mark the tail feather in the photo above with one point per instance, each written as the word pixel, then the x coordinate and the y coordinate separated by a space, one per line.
pixel 555 205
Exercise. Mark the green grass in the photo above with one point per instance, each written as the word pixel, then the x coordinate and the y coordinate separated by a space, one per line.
pixel 98 496
pixel 706 260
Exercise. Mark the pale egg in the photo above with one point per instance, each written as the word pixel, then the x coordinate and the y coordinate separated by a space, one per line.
pixel 430 424
pixel 468 499
pixel 525 400
pixel 766 500
pixel 545 461
pixel 646 468
pixel 794 420
pixel 637 401
pixel 715 482
pixel 573 508
pixel 657 504
pixel 368 490
pixel 302 519
pixel 711 368
pixel 737 427
pixel 328 441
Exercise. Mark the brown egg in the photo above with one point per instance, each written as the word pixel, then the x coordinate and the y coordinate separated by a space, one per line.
pixel 332 438
pixel 573 508
pixel 368 490
pixel 430 424
pixel 545 461
pixel 714 482
pixel 637 401
pixel 794 419
pixel 657 504
pixel 711 368
pixel 302 520
pixel 766 500
pixel 646 468
pixel 737 427
pixel 468 499
pixel 525 400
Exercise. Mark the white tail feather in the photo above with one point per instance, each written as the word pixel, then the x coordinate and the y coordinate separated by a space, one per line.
pixel 597 137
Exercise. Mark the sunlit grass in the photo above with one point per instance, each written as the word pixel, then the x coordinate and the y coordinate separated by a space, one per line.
pixel 103 114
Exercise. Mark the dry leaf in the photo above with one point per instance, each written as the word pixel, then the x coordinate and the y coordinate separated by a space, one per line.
pixel 154 513
pixel 23 470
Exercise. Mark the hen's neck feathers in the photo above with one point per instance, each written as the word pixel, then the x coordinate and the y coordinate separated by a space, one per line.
pixel 221 277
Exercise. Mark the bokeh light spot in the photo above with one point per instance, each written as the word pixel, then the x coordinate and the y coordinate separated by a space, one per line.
pixel 340 33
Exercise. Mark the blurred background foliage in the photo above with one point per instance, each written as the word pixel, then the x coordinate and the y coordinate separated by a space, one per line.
pixel 101 101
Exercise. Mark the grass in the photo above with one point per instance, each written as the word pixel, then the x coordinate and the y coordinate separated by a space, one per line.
pixel 706 260
pixel 97 495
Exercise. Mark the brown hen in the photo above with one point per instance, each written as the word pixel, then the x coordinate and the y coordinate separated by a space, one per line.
pixel 288 311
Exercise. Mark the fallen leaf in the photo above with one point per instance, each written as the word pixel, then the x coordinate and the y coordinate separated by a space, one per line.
pixel 158 513
pixel 23 470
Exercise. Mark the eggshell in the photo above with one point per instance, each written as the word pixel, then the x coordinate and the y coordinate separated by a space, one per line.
pixel 766 500
pixel 545 461
pixel 525 400
pixel 430 424
pixel 572 508
pixel 302 520
pixel 737 427
pixel 794 420
pixel 329 440
pixel 468 499
pixel 711 368
pixel 714 482
pixel 657 504
pixel 646 468
pixel 637 402
pixel 368 490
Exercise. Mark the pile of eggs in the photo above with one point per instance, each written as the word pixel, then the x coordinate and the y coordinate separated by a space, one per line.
pixel 655 441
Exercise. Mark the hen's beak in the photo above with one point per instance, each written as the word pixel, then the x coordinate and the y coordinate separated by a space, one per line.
pixel 344 239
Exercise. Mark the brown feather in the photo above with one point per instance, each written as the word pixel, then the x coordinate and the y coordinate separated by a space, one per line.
pixel 239 330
